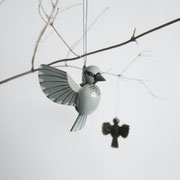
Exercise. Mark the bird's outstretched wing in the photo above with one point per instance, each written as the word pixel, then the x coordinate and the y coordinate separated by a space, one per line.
pixel 124 130
pixel 106 128
pixel 58 86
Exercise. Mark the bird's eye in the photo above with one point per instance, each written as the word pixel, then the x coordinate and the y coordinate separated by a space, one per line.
pixel 90 74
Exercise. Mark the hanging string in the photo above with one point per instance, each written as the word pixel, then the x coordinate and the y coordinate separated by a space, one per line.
pixel 85 17
pixel 117 96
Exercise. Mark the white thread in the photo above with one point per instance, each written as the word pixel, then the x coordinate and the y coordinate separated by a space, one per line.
pixel 117 96
pixel 85 16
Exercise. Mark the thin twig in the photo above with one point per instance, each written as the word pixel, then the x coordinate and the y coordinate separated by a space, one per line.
pixel 137 80
pixel 89 28
pixel 41 33
pixel 134 60
pixel 52 3
pixel 51 23
pixel 41 7
pixel 145 85
pixel 57 13
pixel 37 44
pixel 120 75
pixel 130 63
pixel 63 40
pixel 69 66
pixel 111 74
pixel 69 7
pixel 39 11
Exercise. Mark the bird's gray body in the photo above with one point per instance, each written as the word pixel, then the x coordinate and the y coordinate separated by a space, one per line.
pixel 88 99
pixel 61 88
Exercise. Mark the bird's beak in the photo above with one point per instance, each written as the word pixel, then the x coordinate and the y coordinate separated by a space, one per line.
pixel 99 77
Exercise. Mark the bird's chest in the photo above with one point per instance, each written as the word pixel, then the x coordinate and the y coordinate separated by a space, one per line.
pixel 88 99
pixel 93 90
pixel 115 131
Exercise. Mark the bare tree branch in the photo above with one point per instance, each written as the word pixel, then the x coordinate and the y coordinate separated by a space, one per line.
pixel 18 76
pixel 132 39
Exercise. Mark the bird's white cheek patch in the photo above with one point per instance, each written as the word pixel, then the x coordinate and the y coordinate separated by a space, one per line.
pixel 94 94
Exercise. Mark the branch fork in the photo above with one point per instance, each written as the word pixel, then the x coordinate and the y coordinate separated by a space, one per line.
pixel 133 37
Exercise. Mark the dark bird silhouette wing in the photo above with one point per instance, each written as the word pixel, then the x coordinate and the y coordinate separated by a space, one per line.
pixel 106 128
pixel 58 86
pixel 124 130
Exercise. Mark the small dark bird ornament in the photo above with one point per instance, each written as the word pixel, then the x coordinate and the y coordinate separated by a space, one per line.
pixel 115 131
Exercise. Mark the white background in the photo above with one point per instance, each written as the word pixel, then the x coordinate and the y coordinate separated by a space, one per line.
pixel 35 141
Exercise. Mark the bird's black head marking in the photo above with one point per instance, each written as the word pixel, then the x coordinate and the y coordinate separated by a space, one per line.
pixel 116 121
pixel 90 73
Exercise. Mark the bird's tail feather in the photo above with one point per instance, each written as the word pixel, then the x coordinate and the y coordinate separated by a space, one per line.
pixel 114 142
pixel 79 123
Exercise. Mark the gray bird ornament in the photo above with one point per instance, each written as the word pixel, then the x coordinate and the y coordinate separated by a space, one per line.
pixel 59 87
pixel 115 131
